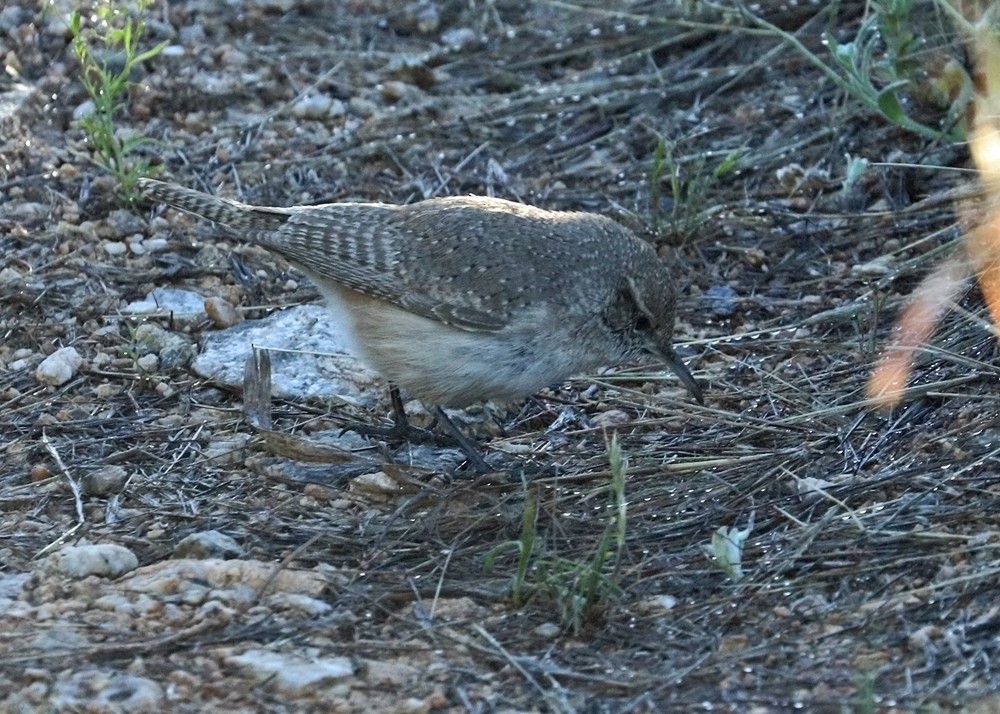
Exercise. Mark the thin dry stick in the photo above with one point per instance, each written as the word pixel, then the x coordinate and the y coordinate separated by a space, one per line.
pixel 283 565
pixel 77 498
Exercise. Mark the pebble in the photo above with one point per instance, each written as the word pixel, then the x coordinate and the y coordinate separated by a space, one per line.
pixel 79 561
pixel 292 675
pixel 107 480
pixel 171 349
pixel 208 544
pixel 10 276
pixel 83 110
pixel 12 16
pixel 314 607
pixel 59 367
pixel 376 485
pixel 185 305
pixel 148 363
pixel 548 630
pixel 124 223
pixel 460 38
pixel 221 312
pixel 228 451
pixel 722 300
pixel 611 418
pixel 103 690
pixel 312 106
pixel 390 674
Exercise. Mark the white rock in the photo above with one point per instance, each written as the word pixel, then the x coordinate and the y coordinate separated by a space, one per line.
pixel 548 630
pixel 208 544
pixel 106 690
pixel 9 276
pixel 83 110
pixel 460 38
pixel 59 367
pixel 79 561
pixel 292 675
pixel 312 106
pixel 314 607
pixel 184 305
pixel 320 365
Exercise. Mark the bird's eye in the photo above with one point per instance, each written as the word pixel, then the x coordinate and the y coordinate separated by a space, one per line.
pixel 642 324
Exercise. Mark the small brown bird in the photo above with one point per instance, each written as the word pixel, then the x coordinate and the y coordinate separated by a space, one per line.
pixel 464 299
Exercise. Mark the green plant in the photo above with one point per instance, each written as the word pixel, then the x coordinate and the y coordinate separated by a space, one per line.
pixel 577 588
pixel 864 699
pixel 107 47
pixel 879 65
pixel 689 180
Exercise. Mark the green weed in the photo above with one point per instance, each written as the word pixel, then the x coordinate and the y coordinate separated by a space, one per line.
pixel 684 211
pixel 107 46
pixel 578 589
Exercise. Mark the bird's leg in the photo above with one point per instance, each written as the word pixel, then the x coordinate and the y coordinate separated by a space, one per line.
pixel 401 425
pixel 402 430
pixel 464 443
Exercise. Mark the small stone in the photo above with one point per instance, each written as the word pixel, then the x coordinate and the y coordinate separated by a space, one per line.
pixel 103 690
pixel 148 363
pixel 722 300
pixel 208 544
pixel 12 16
pixel 548 630
pixel 107 390
pixel 106 560
pixel 394 90
pixel 226 450
pixel 313 607
pixel 657 604
pixel 460 38
pixel 318 493
pixel 59 367
pixel 611 418
pixel 10 276
pixel 390 674
pixel 362 107
pixel 105 481
pixel 185 305
pixel 312 106
pixel 125 223
pixel 221 312
pixel 376 485
pixel 83 110
pixel 416 18
pixel 292 675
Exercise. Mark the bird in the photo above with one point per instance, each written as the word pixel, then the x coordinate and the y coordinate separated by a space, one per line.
pixel 464 299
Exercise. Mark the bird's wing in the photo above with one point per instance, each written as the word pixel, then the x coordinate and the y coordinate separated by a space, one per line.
pixel 358 247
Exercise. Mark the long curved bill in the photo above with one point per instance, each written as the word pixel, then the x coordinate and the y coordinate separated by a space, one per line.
pixel 670 358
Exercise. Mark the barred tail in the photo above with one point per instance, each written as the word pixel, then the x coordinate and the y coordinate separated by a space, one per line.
pixel 228 213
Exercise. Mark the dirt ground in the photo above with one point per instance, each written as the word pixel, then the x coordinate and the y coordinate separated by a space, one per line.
pixel 872 559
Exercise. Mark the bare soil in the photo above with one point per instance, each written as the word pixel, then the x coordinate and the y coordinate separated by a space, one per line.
pixel 871 570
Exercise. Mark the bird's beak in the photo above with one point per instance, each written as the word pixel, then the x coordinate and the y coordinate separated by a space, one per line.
pixel 670 358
